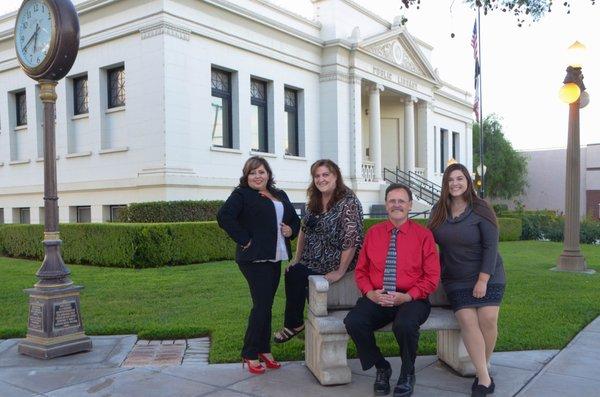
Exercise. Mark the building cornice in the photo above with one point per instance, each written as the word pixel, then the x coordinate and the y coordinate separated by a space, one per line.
pixel 82 8
pixel 165 23
pixel 369 13
pixel 251 15
pixel 289 13
pixel 439 109
pixel 453 98
pixel 167 28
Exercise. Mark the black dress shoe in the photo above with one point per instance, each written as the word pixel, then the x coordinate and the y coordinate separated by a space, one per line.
pixel 482 391
pixel 405 386
pixel 381 387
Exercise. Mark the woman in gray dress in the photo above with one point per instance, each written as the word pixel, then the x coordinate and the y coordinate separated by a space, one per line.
pixel 466 230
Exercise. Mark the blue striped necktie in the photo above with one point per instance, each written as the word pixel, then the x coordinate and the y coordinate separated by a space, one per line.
pixel 389 275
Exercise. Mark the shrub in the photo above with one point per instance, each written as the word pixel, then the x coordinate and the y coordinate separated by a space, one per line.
pixel 541 225
pixel 510 229
pixel 142 245
pixel 500 208
pixel 590 232
pixel 171 211
pixel 123 245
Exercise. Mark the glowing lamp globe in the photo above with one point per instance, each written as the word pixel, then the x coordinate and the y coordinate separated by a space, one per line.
pixel 576 54
pixel 569 93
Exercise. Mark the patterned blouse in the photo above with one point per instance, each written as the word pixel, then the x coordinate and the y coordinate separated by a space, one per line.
pixel 327 235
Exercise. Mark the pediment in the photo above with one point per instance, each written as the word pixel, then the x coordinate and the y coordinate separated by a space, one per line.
pixel 400 49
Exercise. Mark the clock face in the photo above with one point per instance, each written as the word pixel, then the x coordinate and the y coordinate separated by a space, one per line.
pixel 33 32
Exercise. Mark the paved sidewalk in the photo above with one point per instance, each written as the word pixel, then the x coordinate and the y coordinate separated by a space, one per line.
pixel 574 371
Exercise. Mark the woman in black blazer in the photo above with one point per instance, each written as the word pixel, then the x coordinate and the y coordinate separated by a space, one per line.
pixel 262 221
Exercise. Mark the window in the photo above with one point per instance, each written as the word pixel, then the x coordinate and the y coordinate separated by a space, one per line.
pixel 259 121
pixel 1 216
pixel 24 217
pixel 291 115
pixel 443 149
pixel 116 211
pixel 21 108
pixel 84 214
pixel 456 146
pixel 116 87
pixel 80 95
pixel 221 108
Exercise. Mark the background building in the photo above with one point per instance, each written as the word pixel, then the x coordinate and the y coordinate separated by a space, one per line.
pixel 167 99
pixel 546 180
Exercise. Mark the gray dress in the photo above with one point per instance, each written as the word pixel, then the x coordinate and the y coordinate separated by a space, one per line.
pixel 469 245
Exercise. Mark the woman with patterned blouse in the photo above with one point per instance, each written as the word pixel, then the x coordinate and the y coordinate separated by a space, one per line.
pixel 328 243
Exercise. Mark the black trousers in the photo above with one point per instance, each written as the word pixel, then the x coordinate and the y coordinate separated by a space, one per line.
pixel 263 279
pixel 296 293
pixel 367 316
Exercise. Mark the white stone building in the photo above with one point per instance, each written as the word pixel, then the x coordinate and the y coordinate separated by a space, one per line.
pixel 168 98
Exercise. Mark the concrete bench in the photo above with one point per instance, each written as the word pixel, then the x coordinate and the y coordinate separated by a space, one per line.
pixel 326 339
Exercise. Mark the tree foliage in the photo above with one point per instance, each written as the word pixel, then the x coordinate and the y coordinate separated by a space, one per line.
pixel 506 172
pixel 521 9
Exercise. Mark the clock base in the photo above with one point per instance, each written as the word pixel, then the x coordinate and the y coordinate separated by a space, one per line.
pixel 54 327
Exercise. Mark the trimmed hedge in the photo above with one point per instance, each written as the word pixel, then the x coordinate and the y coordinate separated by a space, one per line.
pixel 124 245
pixel 510 228
pixel 171 211
pixel 147 245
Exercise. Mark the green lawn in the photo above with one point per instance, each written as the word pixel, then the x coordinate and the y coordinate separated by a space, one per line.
pixel 541 309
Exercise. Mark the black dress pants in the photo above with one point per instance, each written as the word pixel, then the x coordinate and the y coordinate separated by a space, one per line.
pixel 367 316
pixel 296 293
pixel 263 279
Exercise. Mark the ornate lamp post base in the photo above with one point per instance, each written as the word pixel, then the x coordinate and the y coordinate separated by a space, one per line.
pixel 54 327
pixel 572 261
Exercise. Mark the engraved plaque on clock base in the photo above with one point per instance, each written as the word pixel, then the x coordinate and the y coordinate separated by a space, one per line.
pixel 54 328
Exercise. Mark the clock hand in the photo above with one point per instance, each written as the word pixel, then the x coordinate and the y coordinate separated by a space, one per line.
pixel 37 27
pixel 36 35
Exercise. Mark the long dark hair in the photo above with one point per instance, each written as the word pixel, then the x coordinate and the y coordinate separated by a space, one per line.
pixel 253 163
pixel 315 204
pixel 440 211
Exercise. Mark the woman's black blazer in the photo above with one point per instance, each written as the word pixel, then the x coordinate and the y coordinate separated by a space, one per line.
pixel 246 215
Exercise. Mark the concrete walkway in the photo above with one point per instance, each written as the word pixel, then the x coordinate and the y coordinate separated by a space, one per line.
pixel 574 371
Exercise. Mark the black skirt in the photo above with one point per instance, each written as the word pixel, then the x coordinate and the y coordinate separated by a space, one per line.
pixel 462 298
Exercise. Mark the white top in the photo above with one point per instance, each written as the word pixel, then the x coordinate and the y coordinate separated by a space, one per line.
pixel 281 252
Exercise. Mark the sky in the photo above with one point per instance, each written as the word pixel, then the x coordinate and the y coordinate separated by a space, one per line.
pixel 522 67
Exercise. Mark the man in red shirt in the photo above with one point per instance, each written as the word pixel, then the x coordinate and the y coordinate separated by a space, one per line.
pixel 397 269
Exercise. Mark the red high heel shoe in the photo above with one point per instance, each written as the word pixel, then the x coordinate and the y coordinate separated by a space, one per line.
pixel 255 369
pixel 270 363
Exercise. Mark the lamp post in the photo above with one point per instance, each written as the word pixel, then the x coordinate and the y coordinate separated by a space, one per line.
pixel 480 169
pixel 573 93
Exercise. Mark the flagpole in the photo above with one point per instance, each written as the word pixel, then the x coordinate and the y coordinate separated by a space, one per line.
pixel 480 113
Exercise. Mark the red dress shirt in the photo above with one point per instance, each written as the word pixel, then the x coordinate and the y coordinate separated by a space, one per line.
pixel 417 260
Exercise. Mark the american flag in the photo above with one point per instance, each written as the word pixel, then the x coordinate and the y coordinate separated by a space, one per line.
pixel 474 44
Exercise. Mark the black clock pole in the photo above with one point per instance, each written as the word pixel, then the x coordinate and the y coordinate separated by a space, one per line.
pixel 54 328
pixel 54 325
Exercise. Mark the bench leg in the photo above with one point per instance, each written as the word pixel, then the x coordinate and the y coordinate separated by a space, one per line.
pixel 325 356
pixel 451 350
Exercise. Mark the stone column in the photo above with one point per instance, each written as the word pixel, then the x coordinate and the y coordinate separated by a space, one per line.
pixel 409 133
pixel 375 129
pixel 356 127
pixel 426 139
